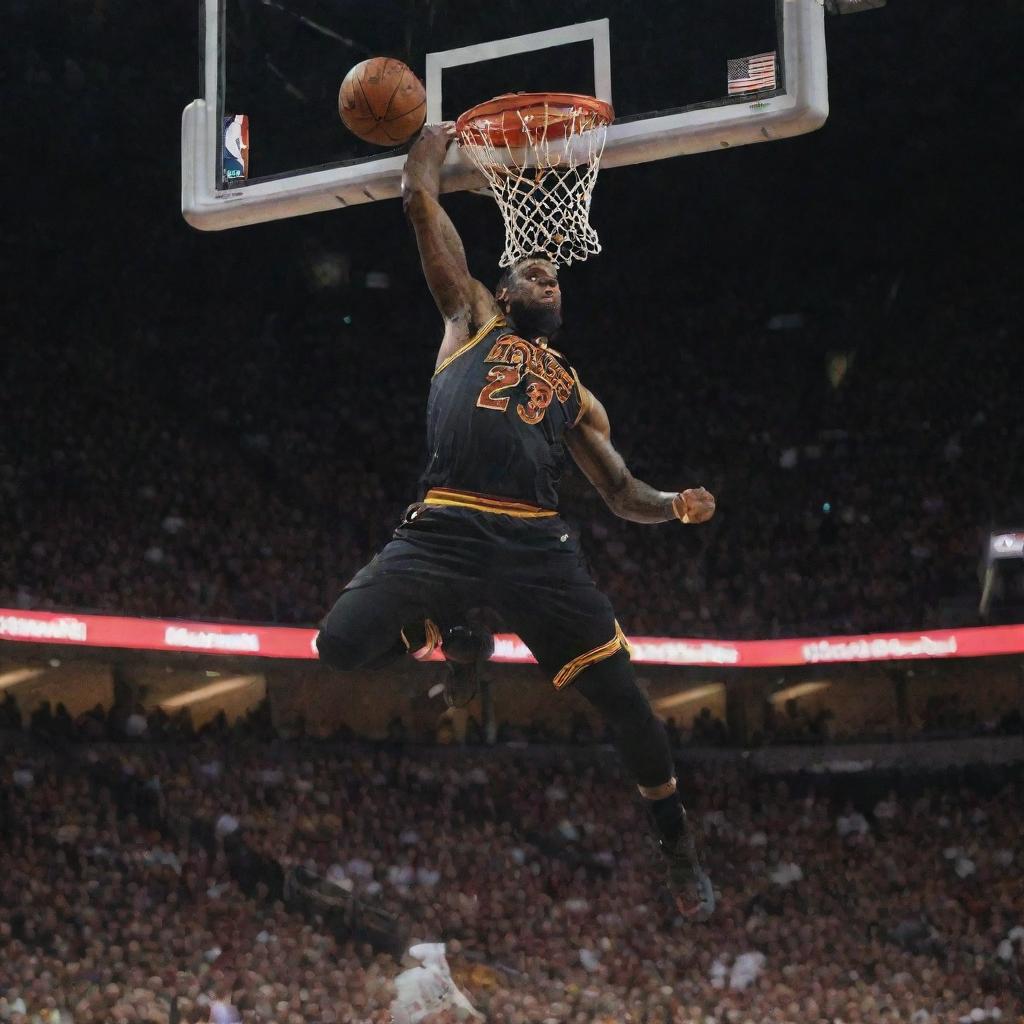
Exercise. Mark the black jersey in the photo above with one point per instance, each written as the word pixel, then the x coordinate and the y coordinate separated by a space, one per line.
pixel 497 415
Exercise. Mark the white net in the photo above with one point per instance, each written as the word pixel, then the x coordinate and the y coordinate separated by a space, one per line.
pixel 541 171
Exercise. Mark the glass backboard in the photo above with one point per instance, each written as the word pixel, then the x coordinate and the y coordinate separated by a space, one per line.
pixel 683 78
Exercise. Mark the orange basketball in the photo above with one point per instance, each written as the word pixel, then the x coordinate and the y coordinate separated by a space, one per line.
pixel 382 102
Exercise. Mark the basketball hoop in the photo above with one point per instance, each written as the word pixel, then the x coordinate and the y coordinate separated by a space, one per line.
pixel 540 153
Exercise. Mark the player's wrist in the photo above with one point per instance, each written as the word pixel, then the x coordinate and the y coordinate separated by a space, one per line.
pixel 421 179
pixel 429 152
pixel 679 509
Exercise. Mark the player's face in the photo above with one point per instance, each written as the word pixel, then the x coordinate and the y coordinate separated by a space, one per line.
pixel 535 300
pixel 536 283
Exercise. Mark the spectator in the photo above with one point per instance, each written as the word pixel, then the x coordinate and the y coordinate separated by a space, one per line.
pixel 103 919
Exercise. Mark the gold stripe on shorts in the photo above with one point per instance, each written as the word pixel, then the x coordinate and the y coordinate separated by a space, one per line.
pixel 626 645
pixel 567 673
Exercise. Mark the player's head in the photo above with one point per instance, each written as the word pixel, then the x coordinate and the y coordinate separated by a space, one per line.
pixel 528 291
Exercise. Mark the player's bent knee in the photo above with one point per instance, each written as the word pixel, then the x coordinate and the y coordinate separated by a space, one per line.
pixel 339 654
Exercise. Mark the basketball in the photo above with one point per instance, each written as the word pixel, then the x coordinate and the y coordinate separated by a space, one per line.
pixel 382 102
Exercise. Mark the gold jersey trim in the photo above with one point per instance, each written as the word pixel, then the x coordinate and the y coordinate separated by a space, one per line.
pixel 485 503
pixel 496 321
pixel 586 398
pixel 568 672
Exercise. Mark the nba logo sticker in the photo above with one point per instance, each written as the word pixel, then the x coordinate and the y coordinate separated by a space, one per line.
pixel 236 148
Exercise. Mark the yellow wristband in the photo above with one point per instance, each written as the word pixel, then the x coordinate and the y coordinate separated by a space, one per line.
pixel 677 508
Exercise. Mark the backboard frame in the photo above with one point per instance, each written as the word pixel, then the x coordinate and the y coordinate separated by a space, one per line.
pixel 797 106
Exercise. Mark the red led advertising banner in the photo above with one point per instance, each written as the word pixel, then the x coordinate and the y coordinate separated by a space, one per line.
pixel 112 631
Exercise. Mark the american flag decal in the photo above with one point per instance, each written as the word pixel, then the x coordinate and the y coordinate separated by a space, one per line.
pixel 751 74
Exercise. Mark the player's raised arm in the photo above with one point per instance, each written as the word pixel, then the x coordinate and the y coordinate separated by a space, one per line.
pixel 463 301
pixel 590 443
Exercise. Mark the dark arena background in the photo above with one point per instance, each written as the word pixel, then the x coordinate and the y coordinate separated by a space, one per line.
pixel 205 434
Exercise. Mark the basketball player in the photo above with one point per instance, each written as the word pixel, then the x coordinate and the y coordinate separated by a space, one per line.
pixel 503 407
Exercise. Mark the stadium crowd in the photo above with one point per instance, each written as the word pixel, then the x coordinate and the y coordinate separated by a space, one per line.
pixel 259 499
pixel 117 902
pixel 943 718
pixel 240 453
pixel 189 428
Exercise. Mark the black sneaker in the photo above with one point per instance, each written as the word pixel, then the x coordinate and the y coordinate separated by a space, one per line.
pixel 465 651
pixel 689 882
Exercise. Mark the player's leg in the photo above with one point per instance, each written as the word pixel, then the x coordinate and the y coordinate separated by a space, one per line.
pixel 573 634
pixel 611 687
pixel 406 600
pixel 389 608
pixel 374 624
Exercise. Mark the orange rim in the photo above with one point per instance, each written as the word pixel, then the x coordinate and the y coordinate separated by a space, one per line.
pixel 517 118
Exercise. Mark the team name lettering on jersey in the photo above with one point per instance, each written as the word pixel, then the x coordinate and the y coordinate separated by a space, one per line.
pixel 516 358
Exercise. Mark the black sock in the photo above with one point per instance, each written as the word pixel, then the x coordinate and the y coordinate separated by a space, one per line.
pixel 668 817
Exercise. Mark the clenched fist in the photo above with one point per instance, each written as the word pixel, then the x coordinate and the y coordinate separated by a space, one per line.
pixel 694 505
